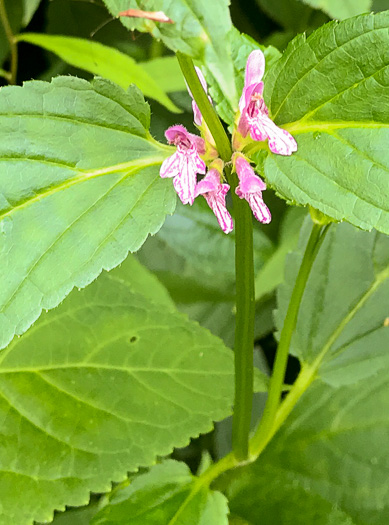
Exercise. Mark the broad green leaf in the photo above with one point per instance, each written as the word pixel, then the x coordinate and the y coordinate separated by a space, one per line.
pixel 241 47
pixel 80 188
pixel 328 465
pixel 341 9
pixel 293 15
pixel 324 90
pixel 194 259
pixel 200 30
pixel 100 386
pixel 101 60
pixel 166 495
pixel 166 73
pixel 272 272
pixel 140 280
pixel 349 289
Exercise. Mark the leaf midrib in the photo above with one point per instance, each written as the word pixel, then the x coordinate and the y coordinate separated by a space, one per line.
pixel 131 166
pixel 380 278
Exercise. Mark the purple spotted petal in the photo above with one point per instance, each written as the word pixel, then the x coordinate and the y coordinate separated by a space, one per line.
pixel 260 210
pixel 215 194
pixel 255 68
pixel 185 182
pixel 280 141
pixel 250 188
pixel 170 166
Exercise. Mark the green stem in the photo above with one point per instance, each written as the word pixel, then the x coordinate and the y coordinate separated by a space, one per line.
pixel 12 42
pixel 269 424
pixel 244 331
pixel 208 112
pixel 244 269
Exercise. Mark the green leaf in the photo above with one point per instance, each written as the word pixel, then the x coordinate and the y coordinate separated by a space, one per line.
pixel 293 15
pixel 166 73
pixel 328 465
pixel 200 30
pixel 80 516
pixel 29 8
pixel 194 259
pixel 380 5
pixel 167 494
pixel 272 272
pixel 325 90
pixel 79 189
pixel 101 60
pixel 343 9
pixel 241 47
pixel 353 341
pixel 100 386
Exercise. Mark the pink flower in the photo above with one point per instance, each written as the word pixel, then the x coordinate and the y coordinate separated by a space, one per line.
pixel 254 113
pixel 196 111
pixel 215 195
pixel 185 163
pixel 250 188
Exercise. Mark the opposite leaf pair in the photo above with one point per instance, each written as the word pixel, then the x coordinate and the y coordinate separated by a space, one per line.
pixel 188 161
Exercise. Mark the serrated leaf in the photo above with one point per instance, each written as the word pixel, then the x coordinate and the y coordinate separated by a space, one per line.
pixel 103 61
pixel 328 464
pixel 353 341
pixel 79 189
pixel 99 386
pixel 341 9
pixel 325 90
pixel 166 494
pixel 200 30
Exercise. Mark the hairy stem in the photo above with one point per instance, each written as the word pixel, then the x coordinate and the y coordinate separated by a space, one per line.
pixel 268 424
pixel 12 43
pixel 244 271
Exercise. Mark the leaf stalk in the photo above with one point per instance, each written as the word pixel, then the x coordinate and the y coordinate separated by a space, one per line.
pixel 11 76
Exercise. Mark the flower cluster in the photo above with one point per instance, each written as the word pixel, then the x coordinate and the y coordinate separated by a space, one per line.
pixel 192 153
